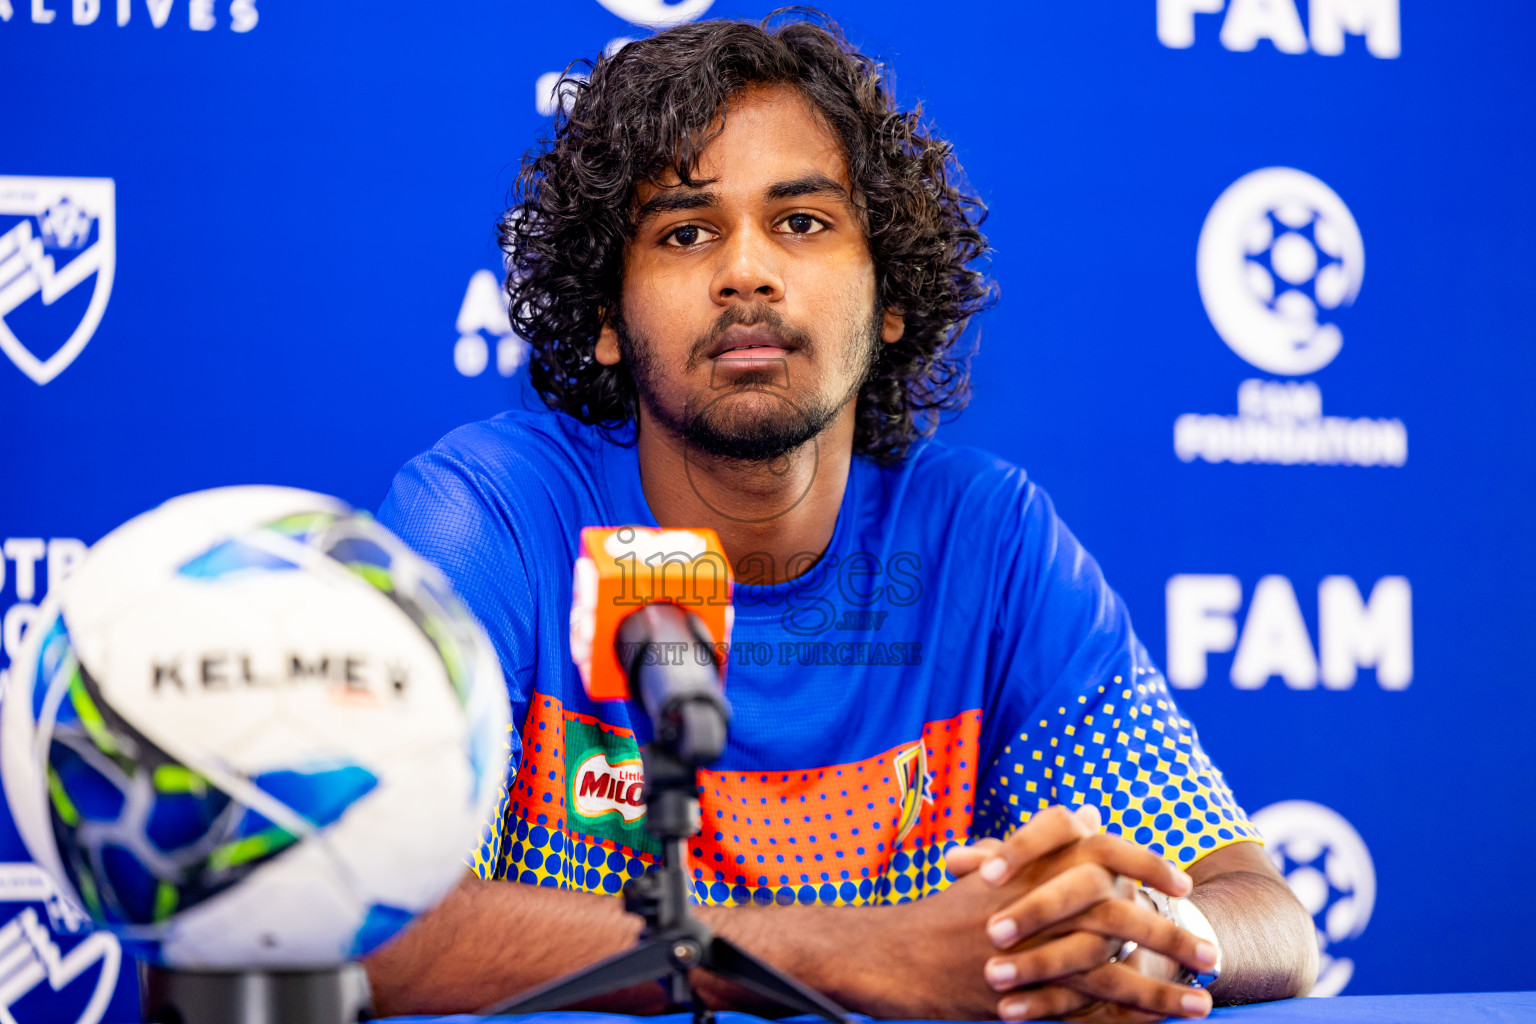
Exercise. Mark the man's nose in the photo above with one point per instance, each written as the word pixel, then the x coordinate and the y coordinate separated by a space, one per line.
pixel 748 268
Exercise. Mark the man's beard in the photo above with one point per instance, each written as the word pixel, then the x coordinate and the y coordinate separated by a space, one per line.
pixel 714 426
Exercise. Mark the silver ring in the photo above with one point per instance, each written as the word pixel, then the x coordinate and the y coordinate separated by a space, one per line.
pixel 1126 949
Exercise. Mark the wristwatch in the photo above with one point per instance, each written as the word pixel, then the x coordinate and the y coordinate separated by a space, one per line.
pixel 1183 912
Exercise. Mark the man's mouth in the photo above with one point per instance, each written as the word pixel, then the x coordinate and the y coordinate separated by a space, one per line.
pixel 753 353
pixel 753 344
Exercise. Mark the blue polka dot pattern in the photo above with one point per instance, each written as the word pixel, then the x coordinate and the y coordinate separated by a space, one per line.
pixel 486 859
pixel 1128 750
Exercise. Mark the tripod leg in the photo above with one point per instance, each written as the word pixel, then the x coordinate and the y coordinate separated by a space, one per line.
pixel 649 961
pixel 736 964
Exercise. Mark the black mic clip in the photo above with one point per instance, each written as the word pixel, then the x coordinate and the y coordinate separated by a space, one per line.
pixel 674 673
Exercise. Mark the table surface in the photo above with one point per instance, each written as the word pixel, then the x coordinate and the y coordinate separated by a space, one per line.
pixel 1453 1008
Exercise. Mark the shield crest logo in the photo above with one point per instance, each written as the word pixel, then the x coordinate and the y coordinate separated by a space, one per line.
pixel 55 235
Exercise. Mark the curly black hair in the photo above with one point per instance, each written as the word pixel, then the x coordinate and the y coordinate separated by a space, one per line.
pixel 648 108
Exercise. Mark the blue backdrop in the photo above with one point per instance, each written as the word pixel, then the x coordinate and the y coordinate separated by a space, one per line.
pixel 1266 335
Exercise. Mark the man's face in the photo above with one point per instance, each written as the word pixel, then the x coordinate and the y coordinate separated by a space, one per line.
pixel 748 317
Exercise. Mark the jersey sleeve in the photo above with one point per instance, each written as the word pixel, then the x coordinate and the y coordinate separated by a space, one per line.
pixel 1080 714
pixel 439 507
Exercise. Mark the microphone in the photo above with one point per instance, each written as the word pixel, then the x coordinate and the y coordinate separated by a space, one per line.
pixel 651 619
pixel 684 700
pixel 647 625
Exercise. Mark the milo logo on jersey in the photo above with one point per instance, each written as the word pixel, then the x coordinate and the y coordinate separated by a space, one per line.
pixel 610 788
pixel 606 798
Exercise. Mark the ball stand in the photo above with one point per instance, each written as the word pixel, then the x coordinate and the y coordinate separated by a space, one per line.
pixel 334 995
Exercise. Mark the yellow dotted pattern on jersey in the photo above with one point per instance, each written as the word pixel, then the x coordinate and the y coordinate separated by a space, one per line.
pixel 488 851
pixel 1127 750
pixel 912 874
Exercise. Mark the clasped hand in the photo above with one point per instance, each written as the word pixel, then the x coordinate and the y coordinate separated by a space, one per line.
pixel 1068 903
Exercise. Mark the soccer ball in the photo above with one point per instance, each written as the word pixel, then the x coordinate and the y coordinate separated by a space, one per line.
pixel 253 730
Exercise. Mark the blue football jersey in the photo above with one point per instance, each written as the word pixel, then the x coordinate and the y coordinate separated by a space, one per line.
pixel 951 664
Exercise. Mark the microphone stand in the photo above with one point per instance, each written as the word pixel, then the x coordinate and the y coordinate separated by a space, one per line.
pixel 690 731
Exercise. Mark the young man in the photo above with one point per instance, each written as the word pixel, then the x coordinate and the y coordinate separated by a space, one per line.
pixel 745 277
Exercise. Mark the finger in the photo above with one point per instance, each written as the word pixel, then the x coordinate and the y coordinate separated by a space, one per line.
pixel 1088 814
pixel 1042 1003
pixel 962 860
pixel 1070 954
pixel 1127 986
pixel 1123 919
pixel 1047 831
pixel 1067 895
pixel 1132 861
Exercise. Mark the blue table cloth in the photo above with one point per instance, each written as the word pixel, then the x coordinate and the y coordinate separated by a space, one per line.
pixel 1451 1008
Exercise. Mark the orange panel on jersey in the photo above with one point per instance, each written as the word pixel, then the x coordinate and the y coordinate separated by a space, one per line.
pixel 872 831
pixel 865 832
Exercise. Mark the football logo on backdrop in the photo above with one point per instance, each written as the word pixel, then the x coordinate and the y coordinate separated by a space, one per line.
pixel 56 234
pixel 482 315
pixel 657 14
pixel 1278 252
pixel 556 89
pixel 30 959
pixel 1327 866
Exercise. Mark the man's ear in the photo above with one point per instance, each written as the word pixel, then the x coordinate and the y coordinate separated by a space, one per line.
pixel 893 326
pixel 606 351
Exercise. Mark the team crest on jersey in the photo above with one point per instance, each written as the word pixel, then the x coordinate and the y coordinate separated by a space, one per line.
pixel 605 783
pixel 916 786
pixel 56 234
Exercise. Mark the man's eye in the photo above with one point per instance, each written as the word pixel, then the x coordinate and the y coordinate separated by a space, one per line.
pixel 688 235
pixel 802 224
